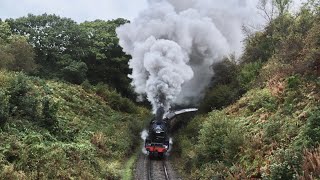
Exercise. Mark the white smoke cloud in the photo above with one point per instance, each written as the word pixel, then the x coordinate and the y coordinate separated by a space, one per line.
pixel 144 134
pixel 173 44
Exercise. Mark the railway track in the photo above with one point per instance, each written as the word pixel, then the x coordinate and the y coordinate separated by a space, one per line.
pixel 157 170
pixel 147 169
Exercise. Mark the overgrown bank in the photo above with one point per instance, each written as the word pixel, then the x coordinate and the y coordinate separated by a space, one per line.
pixel 55 130
pixel 272 131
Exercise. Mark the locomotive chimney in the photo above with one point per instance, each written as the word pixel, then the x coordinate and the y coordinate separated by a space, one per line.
pixel 159 114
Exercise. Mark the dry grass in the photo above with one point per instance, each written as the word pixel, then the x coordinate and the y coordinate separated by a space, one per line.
pixel 276 85
pixel 240 173
pixel 311 164
pixel 10 173
pixel 99 140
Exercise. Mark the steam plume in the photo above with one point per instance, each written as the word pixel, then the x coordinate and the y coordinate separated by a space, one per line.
pixel 173 44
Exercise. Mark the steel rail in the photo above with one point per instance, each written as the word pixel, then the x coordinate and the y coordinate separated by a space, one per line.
pixel 165 170
pixel 151 169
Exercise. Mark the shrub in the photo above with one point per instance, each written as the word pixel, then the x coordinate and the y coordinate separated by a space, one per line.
pixel 114 99
pixel 220 96
pixel 4 107
pixel 87 86
pixel 272 130
pixel 18 90
pixel 285 165
pixel 293 82
pixel 29 106
pixel 186 141
pixel 23 102
pixel 312 131
pixel 219 140
pixel 75 72
pixel 49 114
pixel 248 74
pixel 290 100
pixel 262 99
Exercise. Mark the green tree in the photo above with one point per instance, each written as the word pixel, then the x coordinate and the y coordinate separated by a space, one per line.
pixel 52 37
pixel 282 6
pixel 103 38
pixel 271 9
pixel 6 59
pixel 5 32
pixel 49 117
pixel 23 55
pixel 107 62
pixel 75 72
pixel 225 71
pixel 225 87
pixel 4 107
pixel 17 55
pixel 62 47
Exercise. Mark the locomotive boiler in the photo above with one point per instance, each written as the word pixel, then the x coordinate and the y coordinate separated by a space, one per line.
pixel 158 141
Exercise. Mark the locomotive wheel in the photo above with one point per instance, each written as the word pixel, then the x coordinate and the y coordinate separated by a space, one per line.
pixel 151 155
pixel 161 155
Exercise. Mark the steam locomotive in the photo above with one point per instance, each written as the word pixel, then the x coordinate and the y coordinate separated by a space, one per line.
pixel 157 142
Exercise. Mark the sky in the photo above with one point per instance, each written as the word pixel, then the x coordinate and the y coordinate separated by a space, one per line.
pixel 78 10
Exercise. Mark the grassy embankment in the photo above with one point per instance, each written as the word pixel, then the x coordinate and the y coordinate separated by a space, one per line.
pixel 273 130
pixel 55 130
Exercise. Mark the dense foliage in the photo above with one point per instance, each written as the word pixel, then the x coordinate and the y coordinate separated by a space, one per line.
pixel 267 122
pixel 15 52
pixel 63 111
pixel 53 130
pixel 73 52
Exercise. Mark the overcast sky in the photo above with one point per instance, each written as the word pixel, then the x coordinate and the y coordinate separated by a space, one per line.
pixel 78 10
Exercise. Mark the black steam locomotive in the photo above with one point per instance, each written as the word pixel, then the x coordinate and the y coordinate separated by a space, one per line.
pixel 157 143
